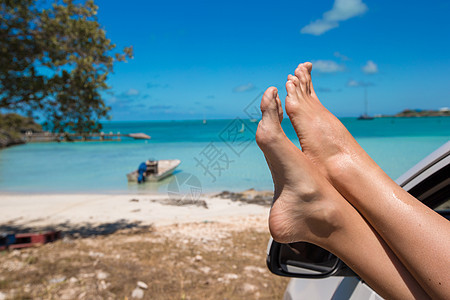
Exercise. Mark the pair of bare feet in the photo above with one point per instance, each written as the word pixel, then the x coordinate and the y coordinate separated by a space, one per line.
pixel 331 193
pixel 305 200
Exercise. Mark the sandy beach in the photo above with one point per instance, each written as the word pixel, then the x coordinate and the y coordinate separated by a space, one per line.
pixel 61 211
pixel 140 246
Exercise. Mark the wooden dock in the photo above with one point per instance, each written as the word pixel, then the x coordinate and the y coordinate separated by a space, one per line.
pixel 36 137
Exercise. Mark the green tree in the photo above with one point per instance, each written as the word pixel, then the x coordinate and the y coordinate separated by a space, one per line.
pixel 54 62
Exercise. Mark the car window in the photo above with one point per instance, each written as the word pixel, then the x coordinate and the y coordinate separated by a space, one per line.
pixel 434 190
pixel 445 205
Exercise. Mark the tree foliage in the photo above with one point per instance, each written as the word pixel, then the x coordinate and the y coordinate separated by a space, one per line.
pixel 54 62
pixel 12 128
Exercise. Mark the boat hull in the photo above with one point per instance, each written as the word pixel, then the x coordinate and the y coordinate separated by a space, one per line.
pixel 165 169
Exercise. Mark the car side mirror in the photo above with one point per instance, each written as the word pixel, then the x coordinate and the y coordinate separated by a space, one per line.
pixel 304 260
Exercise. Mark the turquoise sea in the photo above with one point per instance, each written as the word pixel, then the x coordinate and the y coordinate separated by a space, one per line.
pixel 222 154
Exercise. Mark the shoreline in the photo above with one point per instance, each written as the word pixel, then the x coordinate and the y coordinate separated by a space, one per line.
pixel 73 212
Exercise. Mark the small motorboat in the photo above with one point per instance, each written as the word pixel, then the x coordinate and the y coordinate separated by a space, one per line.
pixel 164 168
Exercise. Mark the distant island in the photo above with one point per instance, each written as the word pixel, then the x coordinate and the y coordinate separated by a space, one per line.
pixel 16 129
pixel 417 113
pixel 13 128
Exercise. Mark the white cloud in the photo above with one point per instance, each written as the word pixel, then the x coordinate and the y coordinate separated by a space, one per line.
pixel 132 92
pixel 341 56
pixel 244 88
pixel 354 83
pixel 370 67
pixel 345 9
pixel 327 66
pixel 113 99
pixel 342 10
pixel 318 27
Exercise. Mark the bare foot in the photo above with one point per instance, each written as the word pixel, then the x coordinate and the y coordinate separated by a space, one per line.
pixel 323 138
pixel 397 216
pixel 305 204
pixel 308 208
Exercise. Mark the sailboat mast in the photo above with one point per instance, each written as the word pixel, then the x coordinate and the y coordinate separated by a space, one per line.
pixel 365 116
pixel 366 104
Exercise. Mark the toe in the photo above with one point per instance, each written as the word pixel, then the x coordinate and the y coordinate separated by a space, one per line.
pixel 269 127
pixel 297 71
pixel 293 98
pixel 303 76
pixel 308 66
pixel 290 88
pixel 294 80
pixel 280 108
pixel 269 104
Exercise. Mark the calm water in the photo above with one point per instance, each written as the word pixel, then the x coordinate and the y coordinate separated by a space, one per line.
pixel 222 154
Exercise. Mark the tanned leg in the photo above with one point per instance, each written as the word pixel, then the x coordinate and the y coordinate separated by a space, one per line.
pixel 418 236
pixel 307 208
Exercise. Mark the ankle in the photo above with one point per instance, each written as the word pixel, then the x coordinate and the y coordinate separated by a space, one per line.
pixel 309 222
pixel 324 220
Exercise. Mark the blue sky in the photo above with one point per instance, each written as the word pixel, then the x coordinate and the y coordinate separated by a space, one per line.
pixel 210 59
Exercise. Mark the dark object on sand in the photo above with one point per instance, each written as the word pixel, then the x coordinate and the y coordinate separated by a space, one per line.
pixel 25 240
pixel 6 239
pixel 250 196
